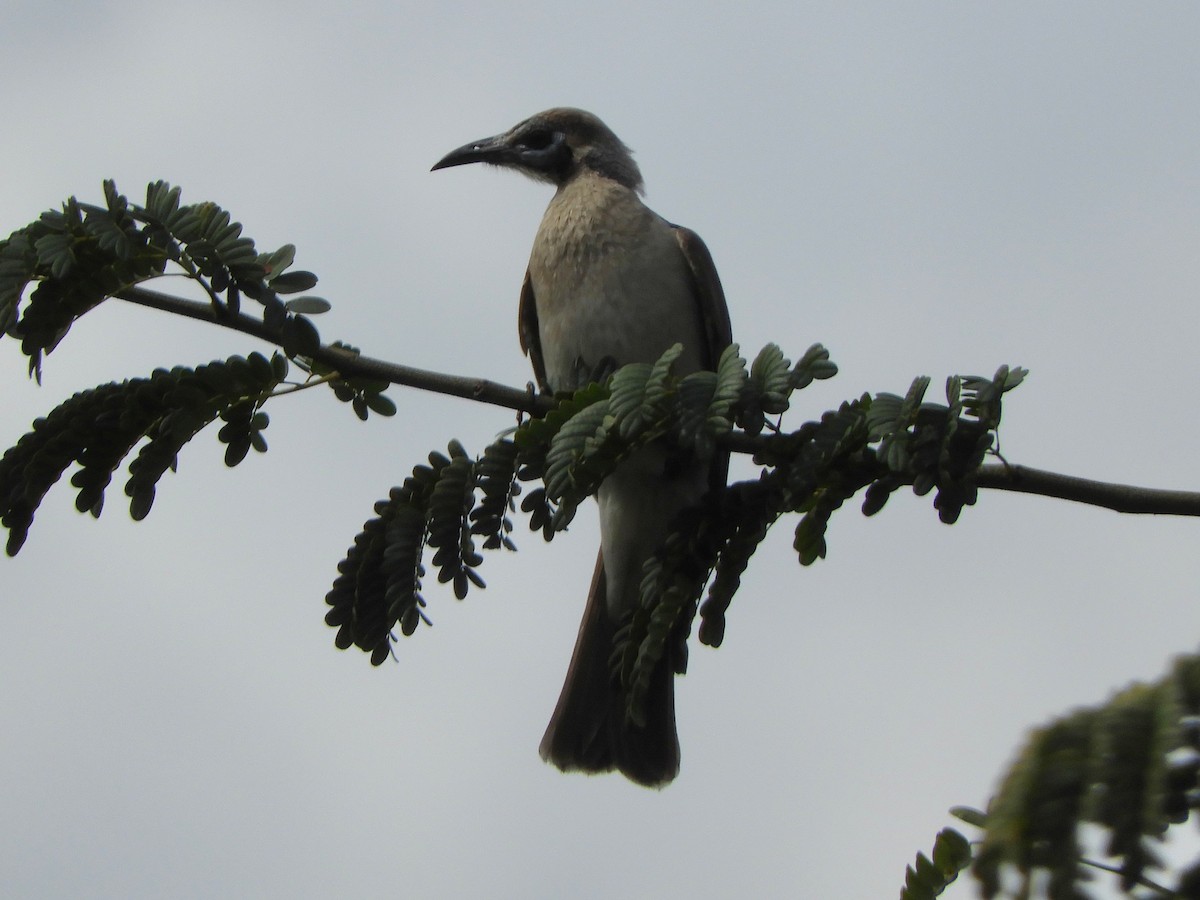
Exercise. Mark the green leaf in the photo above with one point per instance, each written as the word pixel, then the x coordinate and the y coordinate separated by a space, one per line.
pixel 162 200
pixel 771 379
pixel 380 404
pixel 110 236
pixel 236 450
pixel 627 398
pixel 141 501
pixel 928 879
pixel 951 851
pixel 658 383
pixel 970 815
pixel 294 282
pixel 813 365
pixel 308 305
pixel 274 264
pixel 732 377
pixel 57 252
pixel 300 337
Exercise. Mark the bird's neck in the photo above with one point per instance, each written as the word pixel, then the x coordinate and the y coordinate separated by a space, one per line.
pixel 589 213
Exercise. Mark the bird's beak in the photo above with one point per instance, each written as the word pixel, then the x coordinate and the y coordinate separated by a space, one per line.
pixel 495 150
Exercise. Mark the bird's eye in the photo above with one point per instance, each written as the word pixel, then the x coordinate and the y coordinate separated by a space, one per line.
pixel 538 139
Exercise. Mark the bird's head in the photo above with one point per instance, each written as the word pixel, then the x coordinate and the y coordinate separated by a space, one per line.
pixel 554 146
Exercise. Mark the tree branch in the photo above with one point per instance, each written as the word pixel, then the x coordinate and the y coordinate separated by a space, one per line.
pixel 348 363
pixel 1122 498
pixel 997 476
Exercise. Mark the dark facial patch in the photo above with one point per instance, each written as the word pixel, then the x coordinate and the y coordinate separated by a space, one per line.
pixel 543 151
pixel 536 139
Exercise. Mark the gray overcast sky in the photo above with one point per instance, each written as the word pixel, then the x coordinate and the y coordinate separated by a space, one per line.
pixel 926 188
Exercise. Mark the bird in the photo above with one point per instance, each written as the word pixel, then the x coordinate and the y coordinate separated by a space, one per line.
pixel 610 282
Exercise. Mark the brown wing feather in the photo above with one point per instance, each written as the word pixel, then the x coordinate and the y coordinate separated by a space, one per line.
pixel 527 329
pixel 710 297
pixel 714 315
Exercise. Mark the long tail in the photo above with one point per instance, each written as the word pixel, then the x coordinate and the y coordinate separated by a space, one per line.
pixel 588 731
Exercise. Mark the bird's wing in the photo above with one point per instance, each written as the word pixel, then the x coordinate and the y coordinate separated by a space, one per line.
pixel 710 298
pixel 527 329
pixel 714 319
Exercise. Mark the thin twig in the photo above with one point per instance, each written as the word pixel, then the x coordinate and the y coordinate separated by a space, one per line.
pixel 1141 881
